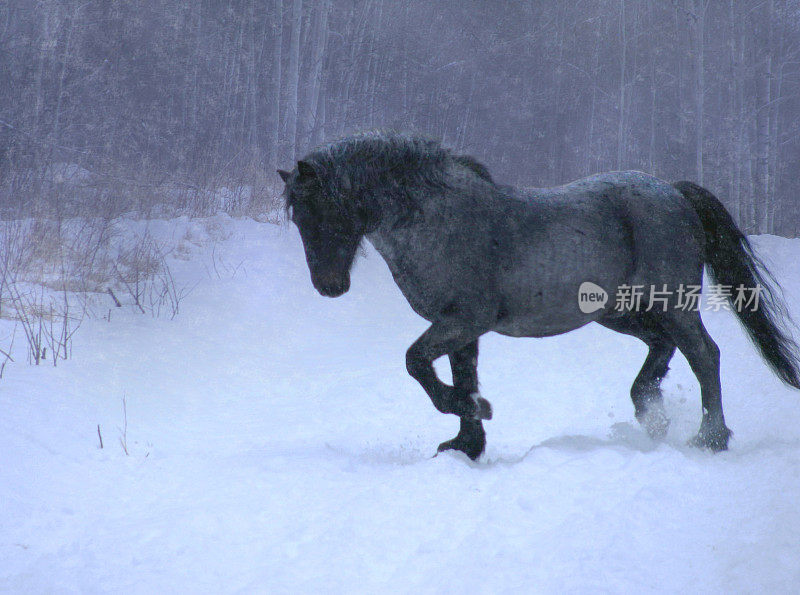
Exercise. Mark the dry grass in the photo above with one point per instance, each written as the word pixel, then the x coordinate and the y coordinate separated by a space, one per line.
pixel 54 273
pixel 64 255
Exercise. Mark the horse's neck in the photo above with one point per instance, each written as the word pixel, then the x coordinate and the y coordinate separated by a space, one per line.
pixel 408 224
pixel 389 212
pixel 397 225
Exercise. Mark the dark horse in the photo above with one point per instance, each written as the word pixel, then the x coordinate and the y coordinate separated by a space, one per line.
pixel 472 256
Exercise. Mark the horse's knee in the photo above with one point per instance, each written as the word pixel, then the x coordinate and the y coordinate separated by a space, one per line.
pixel 415 363
pixel 661 367
pixel 706 364
pixel 712 351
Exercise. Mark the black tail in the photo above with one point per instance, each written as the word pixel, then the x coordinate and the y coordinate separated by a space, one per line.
pixel 732 261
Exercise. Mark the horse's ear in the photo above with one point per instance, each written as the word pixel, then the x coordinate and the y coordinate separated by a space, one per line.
pixel 305 169
pixel 285 175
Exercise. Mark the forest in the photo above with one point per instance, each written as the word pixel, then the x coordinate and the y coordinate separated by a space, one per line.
pixel 150 106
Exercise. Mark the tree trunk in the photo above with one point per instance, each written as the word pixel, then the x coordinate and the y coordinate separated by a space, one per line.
pixel 700 7
pixel 293 76
pixel 763 118
pixel 623 64
pixel 274 150
pixel 320 42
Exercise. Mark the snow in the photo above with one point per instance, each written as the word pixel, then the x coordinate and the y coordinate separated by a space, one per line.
pixel 276 444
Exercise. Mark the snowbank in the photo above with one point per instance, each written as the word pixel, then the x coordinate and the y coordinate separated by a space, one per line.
pixel 276 444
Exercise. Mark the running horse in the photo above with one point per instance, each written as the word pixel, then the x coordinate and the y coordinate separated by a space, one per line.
pixel 473 256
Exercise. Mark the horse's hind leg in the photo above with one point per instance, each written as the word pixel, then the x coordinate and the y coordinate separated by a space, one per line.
pixel 471 438
pixel 687 330
pixel 648 401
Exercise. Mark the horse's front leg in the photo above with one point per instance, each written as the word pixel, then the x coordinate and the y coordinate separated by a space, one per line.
pixel 471 438
pixel 461 342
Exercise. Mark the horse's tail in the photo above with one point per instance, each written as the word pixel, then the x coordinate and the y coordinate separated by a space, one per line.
pixel 733 262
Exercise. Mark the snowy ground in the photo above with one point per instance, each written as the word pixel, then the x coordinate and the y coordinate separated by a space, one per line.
pixel 277 445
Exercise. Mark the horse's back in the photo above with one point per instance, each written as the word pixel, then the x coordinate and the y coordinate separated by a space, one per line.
pixel 666 234
pixel 626 223
pixel 611 229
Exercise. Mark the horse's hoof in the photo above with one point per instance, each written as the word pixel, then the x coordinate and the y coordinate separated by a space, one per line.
pixel 715 440
pixel 472 449
pixel 655 422
pixel 483 408
pixel 471 439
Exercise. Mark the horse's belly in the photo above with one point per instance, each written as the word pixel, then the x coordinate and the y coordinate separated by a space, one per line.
pixel 536 325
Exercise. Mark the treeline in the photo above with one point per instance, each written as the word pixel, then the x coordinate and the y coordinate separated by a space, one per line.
pixel 162 100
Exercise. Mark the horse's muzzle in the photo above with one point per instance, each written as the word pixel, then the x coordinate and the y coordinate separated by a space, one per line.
pixel 333 287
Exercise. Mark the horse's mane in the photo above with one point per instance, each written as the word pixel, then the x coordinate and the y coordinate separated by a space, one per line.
pixel 476 166
pixel 385 163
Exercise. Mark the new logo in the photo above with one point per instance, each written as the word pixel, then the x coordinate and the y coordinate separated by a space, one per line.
pixel 591 297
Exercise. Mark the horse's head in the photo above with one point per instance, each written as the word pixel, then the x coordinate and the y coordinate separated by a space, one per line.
pixel 330 233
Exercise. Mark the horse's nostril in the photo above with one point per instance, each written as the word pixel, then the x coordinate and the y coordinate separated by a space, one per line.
pixel 331 291
pixel 333 287
pixel 331 283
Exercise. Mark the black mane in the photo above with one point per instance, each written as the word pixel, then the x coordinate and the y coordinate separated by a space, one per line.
pixel 384 163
